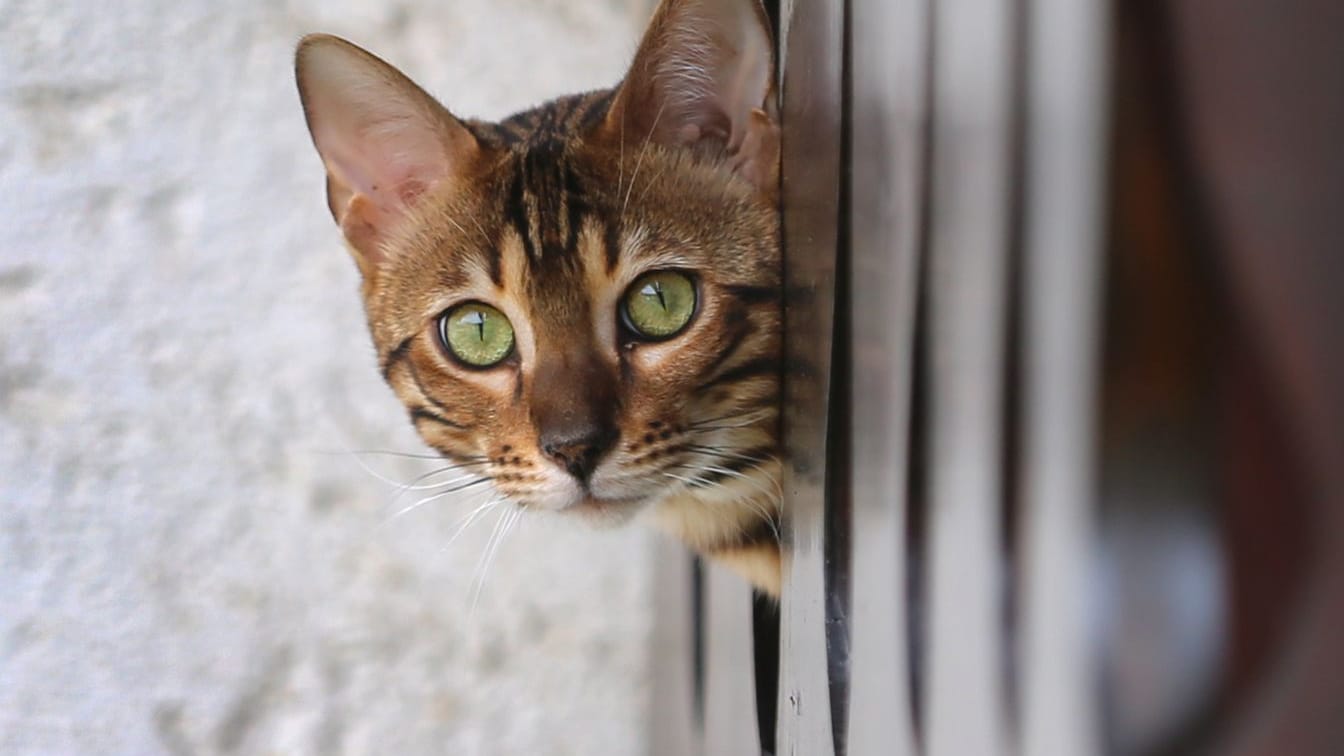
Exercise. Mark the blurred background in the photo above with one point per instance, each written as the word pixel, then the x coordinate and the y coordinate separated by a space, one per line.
pixel 193 557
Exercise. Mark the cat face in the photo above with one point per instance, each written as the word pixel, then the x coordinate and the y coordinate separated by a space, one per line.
pixel 623 337
pixel 582 301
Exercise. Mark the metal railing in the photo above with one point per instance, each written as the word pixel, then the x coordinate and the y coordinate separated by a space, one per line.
pixel 1062 394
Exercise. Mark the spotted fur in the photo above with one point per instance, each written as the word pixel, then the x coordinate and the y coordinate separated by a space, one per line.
pixel 549 215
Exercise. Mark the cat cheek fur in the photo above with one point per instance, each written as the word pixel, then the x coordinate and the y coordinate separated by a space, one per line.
pixel 548 216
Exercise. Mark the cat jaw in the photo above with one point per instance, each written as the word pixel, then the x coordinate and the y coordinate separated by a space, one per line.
pixel 737 524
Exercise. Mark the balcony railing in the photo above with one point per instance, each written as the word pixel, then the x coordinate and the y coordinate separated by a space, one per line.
pixel 1063 395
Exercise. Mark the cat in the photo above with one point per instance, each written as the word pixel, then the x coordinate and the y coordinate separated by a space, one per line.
pixel 582 300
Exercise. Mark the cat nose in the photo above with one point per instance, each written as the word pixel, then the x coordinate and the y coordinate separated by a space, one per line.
pixel 574 406
pixel 577 450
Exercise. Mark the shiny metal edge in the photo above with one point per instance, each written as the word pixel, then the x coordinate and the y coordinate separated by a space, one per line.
pixel 973 93
pixel 889 54
pixel 811 121
pixel 1067 92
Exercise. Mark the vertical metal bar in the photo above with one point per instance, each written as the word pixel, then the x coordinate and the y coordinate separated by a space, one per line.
pixel 674 728
pixel 1064 226
pixel 812 107
pixel 889 48
pixel 730 702
pixel 973 88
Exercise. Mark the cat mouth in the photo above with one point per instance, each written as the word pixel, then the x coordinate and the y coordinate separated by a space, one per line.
pixel 601 502
pixel 605 507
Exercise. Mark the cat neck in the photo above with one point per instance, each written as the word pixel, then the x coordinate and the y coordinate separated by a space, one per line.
pixel 735 523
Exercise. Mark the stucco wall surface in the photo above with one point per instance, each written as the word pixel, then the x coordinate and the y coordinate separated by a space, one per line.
pixel 191 558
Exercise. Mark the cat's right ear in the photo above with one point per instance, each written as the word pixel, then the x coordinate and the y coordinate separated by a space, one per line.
pixel 383 140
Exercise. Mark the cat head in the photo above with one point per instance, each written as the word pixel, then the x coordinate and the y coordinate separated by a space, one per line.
pixel 583 299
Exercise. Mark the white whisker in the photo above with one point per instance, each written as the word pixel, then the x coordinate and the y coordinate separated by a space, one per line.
pixel 740 420
pixel 639 162
pixel 690 482
pixel 497 536
pixel 471 517
pixel 485 238
pixel 649 184
pixel 412 484
pixel 403 487
pixel 377 475
pixel 725 454
pixel 757 507
pixel 407 455
pixel 428 499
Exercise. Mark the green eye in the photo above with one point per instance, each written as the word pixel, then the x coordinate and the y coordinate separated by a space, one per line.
pixel 658 305
pixel 477 334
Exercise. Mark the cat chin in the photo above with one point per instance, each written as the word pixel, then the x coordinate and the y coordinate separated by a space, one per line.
pixel 605 513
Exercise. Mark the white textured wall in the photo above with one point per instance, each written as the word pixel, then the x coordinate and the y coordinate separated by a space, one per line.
pixel 189 562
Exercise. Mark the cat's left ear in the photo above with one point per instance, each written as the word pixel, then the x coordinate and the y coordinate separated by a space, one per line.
pixel 705 71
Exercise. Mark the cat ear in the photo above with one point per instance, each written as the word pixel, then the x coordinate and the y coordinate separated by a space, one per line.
pixel 705 71
pixel 383 140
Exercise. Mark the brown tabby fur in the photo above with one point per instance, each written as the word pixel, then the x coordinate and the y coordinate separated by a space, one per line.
pixel 549 216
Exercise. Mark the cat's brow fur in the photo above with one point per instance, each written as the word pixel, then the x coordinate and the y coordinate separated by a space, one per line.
pixel 550 220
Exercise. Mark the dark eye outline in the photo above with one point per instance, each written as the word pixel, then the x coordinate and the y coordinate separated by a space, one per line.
pixel 441 328
pixel 632 330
